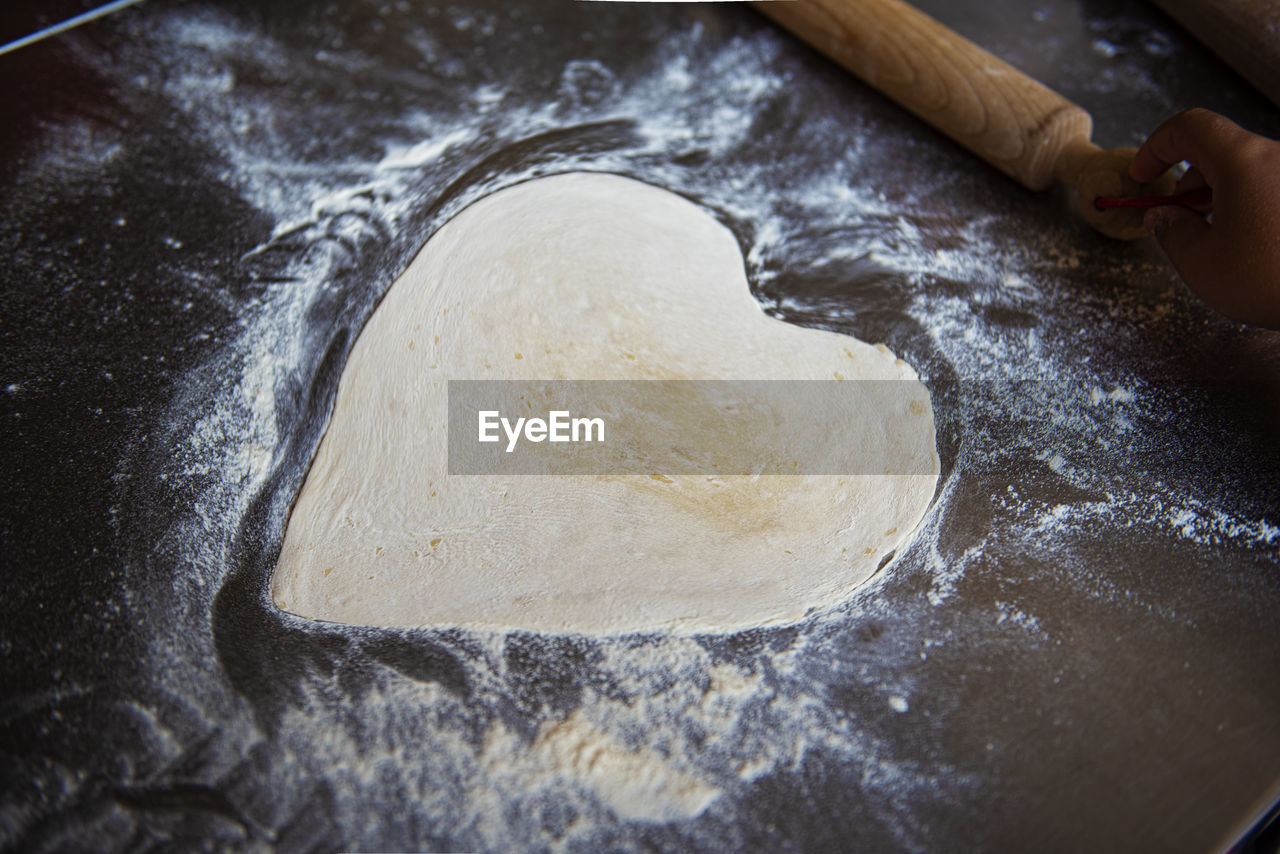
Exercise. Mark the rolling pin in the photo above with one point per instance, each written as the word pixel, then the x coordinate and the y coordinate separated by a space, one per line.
pixel 1024 129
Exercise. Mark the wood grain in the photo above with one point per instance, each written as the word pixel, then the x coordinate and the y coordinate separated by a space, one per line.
pixel 1021 127
pixel 1016 124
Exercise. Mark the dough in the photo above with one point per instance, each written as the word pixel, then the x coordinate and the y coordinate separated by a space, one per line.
pixel 587 276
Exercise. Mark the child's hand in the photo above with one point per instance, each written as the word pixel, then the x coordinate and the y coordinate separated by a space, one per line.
pixel 1231 258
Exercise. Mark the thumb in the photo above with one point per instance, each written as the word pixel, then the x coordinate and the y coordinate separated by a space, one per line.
pixel 1185 236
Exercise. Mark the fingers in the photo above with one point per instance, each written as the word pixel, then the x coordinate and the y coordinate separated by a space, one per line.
pixel 1233 263
pixel 1185 236
pixel 1193 180
pixel 1203 138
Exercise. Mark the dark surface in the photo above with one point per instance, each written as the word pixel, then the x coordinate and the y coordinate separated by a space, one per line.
pixel 185 205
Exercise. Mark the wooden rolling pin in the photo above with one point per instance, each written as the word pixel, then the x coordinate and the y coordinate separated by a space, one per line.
pixel 1024 129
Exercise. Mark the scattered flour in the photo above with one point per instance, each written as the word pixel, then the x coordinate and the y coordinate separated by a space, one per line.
pixel 635 784
pixel 670 730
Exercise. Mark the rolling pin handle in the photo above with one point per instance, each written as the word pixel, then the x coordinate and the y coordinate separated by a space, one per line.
pixel 1024 129
pixel 1073 159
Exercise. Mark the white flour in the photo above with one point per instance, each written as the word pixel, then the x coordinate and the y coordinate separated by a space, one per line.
pixel 671 730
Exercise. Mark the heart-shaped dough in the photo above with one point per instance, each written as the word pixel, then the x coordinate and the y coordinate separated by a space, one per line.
pixel 586 276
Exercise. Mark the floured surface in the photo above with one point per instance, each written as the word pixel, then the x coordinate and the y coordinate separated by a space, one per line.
pixel 586 276
pixel 636 784
pixel 1103 545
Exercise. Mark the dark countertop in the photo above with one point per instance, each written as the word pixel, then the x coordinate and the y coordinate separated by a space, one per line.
pixel 204 203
